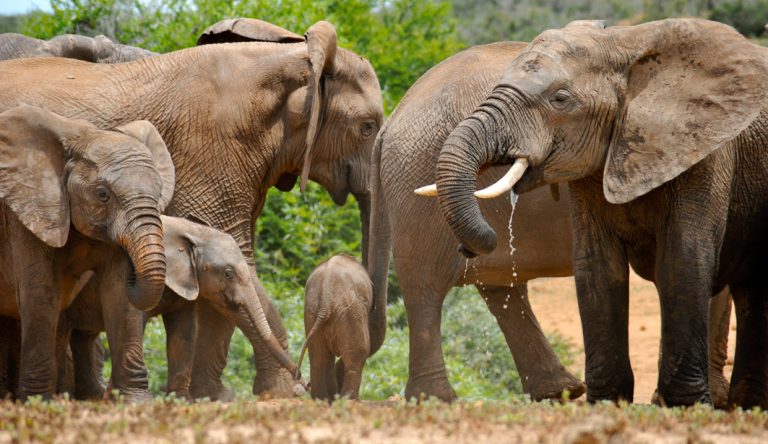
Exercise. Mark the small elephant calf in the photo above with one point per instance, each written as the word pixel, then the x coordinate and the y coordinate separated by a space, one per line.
pixel 202 264
pixel 339 296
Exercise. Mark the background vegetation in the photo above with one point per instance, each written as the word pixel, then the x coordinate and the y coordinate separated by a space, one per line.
pixel 402 38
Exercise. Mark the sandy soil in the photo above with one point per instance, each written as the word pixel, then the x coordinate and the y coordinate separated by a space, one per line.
pixel 554 302
pixel 374 422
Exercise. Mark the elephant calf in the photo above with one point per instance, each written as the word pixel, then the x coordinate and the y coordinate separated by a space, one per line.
pixel 339 296
pixel 201 262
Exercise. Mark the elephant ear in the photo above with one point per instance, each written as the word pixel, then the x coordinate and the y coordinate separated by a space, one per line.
pixel 147 134
pixel 321 46
pixel 692 88
pixel 246 30
pixel 32 169
pixel 180 259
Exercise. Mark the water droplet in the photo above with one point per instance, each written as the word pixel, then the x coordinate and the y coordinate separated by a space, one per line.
pixel 513 202
pixel 504 306
pixel 466 267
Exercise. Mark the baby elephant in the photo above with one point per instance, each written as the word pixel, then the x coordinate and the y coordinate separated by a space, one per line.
pixel 338 299
pixel 203 264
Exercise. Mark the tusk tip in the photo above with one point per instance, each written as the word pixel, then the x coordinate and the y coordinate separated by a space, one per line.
pixel 429 190
pixel 482 194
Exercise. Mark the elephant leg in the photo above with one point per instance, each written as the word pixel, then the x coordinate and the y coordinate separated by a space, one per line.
pixel 322 376
pixel 354 349
pixel 10 354
pixel 39 301
pixel 65 380
pixel 125 333
pixel 541 373
pixel 354 361
pixel 181 334
pixel 601 272
pixel 340 372
pixel 210 357
pixel 88 365
pixel 684 294
pixel 749 382
pixel 271 379
pixel 427 376
pixel 719 323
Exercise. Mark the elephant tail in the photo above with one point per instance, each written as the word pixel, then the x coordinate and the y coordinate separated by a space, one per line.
pixel 322 317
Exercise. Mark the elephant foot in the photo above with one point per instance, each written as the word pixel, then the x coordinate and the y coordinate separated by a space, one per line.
pixel 747 395
pixel 682 399
pixel 89 393
pixel 276 385
pixel 213 391
pixel 556 388
pixel 133 397
pixel 718 387
pixel 440 389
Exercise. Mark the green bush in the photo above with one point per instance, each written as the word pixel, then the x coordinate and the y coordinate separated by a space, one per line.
pixel 747 16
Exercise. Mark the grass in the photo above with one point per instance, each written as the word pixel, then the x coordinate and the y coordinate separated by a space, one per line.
pixel 344 421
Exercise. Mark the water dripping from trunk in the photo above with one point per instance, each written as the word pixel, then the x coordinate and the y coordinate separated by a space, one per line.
pixel 513 201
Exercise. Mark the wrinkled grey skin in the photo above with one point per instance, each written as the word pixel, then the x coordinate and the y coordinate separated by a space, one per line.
pixel 405 155
pixel 661 130
pixel 338 299
pixel 202 262
pixel 99 49
pixel 254 105
pixel 76 200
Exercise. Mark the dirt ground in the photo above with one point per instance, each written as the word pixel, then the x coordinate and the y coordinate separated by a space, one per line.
pixel 554 302
pixel 374 422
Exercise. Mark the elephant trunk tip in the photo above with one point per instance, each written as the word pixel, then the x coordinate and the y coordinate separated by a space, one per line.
pixel 466 252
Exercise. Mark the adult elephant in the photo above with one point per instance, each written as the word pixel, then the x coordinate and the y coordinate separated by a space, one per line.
pixel 99 49
pixel 237 119
pixel 661 130
pixel 405 159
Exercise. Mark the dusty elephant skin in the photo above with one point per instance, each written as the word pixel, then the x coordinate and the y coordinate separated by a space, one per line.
pixel 202 262
pixel 76 200
pixel 404 158
pixel 405 155
pixel 99 49
pixel 254 116
pixel 660 129
pixel 338 299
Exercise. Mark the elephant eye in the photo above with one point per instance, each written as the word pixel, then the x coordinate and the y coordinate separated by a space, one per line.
pixel 102 194
pixel 368 129
pixel 561 98
pixel 229 273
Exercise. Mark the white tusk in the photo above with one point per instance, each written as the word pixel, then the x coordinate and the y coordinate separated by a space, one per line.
pixel 505 183
pixel 428 190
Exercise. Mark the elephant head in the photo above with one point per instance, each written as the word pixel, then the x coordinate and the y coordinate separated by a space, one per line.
pixel 337 106
pixel 109 185
pixel 205 262
pixel 632 106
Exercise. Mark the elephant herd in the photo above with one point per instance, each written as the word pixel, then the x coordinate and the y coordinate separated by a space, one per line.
pixel 130 182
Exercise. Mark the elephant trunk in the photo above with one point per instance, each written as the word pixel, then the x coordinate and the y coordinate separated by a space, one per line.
pixel 465 152
pixel 251 319
pixel 376 247
pixel 143 243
